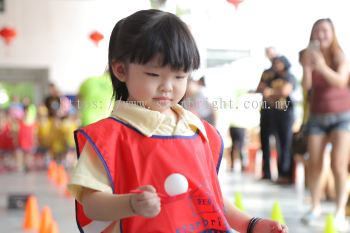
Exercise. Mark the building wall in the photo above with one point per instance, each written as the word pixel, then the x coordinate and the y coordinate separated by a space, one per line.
pixel 54 34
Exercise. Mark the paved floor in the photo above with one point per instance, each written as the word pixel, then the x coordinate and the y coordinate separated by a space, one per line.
pixel 258 199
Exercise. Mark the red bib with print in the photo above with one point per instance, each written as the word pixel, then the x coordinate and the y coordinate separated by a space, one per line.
pixel 132 160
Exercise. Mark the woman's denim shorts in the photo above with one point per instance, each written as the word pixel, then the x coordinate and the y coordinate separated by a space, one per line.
pixel 326 123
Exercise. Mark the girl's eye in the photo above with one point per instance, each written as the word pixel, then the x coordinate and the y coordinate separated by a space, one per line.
pixel 152 74
pixel 180 77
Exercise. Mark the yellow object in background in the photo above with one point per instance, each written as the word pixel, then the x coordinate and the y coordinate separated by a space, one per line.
pixel 329 226
pixel 276 214
pixel 238 201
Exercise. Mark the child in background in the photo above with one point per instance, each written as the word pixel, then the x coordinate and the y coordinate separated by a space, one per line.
pixel 69 124
pixel 26 135
pixel 7 146
pixel 43 136
pixel 152 166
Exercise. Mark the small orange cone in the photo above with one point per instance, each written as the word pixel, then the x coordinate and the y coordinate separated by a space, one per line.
pixel 31 215
pixel 45 220
pixel 252 152
pixel 53 227
pixel 61 179
pixel 52 170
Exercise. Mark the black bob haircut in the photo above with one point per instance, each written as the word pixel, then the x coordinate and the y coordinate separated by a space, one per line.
pixel 145 34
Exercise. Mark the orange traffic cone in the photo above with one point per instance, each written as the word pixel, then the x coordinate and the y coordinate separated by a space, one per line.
pixel 45 220
pixel 53 227
pixel 252 151
pixel 52 171
pixel 31 215
pixel 61 179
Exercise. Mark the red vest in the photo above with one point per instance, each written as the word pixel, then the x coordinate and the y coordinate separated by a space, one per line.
pixel 6 138
pixel 26 136
pixel 132 160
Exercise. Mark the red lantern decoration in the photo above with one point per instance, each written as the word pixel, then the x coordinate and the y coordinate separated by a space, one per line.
pixel 8 34
pixel 235 2
pixel 96 37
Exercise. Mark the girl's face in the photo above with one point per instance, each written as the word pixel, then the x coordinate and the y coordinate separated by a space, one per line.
pixel 155 87
pixel 323 32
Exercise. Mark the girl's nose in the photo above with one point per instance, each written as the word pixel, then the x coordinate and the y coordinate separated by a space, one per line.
pixel 166 86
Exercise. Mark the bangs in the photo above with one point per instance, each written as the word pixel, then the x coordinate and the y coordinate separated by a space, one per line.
pixel 168 38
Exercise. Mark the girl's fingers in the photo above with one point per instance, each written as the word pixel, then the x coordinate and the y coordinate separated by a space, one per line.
pixel 145 196
pixel 279 228
pixel 151 201
pixel 148 188
pixel 145 192
pixel 285 228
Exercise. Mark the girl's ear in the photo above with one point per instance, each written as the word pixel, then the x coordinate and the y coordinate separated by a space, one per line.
pixel 119 71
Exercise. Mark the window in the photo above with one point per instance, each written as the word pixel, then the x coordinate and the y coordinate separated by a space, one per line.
pixel 2 5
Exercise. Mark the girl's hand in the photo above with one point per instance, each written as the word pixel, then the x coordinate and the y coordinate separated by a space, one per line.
pixel 307 59
pixel 147 203
pixel 319 61
pixel 269 226
pixel 315 59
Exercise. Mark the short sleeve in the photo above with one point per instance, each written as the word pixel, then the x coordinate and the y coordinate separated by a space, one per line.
pixel 88 173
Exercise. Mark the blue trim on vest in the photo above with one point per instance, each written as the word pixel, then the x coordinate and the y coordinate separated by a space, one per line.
pixel 76 217
pixel 156 136
pixel 221 153
pixel 100 156
pixel 120 225
pixel 123 123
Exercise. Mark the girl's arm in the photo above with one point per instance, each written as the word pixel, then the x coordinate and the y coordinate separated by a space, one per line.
pixel 265 77
pixel 337 78
pixel 236 219
pixel 307 77
pixel 306 60
pixel 240 221
pixel 261 87
pixel 106 207
pixel 110 207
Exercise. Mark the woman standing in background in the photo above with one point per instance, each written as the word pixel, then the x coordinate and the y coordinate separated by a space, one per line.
pixel 325 74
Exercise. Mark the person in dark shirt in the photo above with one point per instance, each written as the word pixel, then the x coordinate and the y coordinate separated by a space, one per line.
pixel 277 116
pixel 52 101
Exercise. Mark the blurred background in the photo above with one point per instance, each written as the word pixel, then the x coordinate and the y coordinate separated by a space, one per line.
pixel 54 41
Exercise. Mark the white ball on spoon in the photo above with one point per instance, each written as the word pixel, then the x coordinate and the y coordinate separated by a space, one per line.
pixel 176 184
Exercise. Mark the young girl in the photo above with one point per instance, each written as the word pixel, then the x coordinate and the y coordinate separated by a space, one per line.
pixel 152 166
